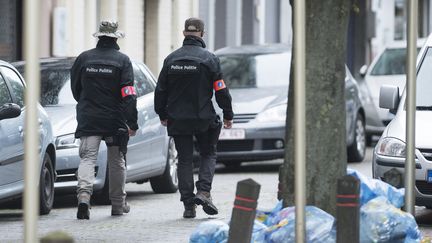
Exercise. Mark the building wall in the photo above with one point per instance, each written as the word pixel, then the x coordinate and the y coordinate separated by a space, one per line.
pixel 158 33
pixel 164 24
pixel 285 19
pixel 9 29
pixel 220 24
pixel 131 21
pixel 272 21
pixel 234 23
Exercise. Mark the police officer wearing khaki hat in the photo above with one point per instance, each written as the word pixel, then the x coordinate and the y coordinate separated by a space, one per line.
pixel 102 83
pixel 183 100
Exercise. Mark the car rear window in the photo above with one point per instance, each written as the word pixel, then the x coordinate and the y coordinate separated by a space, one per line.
pixel 256 70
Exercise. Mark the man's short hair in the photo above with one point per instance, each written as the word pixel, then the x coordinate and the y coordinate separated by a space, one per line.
pixel 194 25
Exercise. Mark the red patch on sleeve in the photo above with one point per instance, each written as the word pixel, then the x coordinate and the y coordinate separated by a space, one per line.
pixel 128 90
pixel 218 85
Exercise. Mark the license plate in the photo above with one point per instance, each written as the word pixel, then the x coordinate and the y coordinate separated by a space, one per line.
pixel 230 134
pixel 429 176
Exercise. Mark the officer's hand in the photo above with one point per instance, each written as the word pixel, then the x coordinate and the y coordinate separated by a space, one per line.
pixel 164 122
pixel 132 132
pixel 227 123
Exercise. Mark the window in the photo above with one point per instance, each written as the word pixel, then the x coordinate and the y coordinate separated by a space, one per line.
pixel 4 93
pixel 424 84
pixel 17 87
pixel 142 83
pixel 256 70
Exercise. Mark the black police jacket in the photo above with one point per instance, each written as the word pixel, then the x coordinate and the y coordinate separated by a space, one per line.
pixel 185 87
pixel 102 82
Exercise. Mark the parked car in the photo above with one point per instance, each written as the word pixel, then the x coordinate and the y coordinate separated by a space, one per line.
pixel 387 68
pixel 12 112
pixel 151 153
pixel 390 152
pixel 258 77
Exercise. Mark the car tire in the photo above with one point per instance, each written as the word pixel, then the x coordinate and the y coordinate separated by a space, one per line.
pixel 46 186
pixel 356 151
pixel 168 181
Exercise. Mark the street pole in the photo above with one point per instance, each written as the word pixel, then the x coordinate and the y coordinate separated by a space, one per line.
pixel 300 117
pixel 31 130
pixel 411 107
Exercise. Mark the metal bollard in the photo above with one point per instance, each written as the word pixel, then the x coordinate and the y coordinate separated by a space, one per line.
pixel 348 210
pixel 243 215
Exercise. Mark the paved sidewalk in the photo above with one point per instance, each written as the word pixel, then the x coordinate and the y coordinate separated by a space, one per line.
pixel 153 217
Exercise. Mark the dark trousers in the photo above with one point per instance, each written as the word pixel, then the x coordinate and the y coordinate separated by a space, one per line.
pixel 206 142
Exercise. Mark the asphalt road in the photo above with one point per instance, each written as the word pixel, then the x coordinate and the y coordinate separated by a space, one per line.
pixel 158 217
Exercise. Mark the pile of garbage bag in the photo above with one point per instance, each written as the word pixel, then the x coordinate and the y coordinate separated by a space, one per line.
pixel 381 220
pixel 372 188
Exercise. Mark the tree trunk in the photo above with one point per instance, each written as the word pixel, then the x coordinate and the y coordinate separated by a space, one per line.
pixel 326 159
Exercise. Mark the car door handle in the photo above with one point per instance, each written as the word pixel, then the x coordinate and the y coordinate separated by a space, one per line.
pixel 21 131
pixel 145 115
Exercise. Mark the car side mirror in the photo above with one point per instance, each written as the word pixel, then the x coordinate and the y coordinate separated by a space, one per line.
pixel 9 110
pixel 389 98
pixel 363 70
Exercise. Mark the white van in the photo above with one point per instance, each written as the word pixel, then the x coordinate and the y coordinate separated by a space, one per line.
pixel 389 154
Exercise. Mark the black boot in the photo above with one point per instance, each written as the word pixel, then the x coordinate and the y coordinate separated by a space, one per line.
pixel 203 198
pixel 189 211
pixel 83 206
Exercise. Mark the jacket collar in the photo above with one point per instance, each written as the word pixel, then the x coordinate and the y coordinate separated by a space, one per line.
pixel 194 41
pixel 107 43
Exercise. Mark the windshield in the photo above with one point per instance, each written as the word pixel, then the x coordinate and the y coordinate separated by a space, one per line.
pixel 55 88
pixel 391 62
pixel 256 70
pixel 424 82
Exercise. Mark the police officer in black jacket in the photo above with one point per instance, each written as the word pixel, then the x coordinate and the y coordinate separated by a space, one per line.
pixel 183 101
pixel 102 83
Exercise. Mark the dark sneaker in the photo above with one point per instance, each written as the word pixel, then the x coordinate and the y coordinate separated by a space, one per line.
pixel 189 211
pixel 204 199
pixel 83 206
pixel 83 211
pixel 119 210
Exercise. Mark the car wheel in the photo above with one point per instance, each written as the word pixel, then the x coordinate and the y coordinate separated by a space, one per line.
pixel 168 181
pixel 357 150
pixel 46 186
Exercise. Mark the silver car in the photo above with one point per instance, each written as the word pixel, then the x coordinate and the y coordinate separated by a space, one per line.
pixel 151 153
pixel 258 78
pixel 387 68
pixel 12 112
pixel 390 151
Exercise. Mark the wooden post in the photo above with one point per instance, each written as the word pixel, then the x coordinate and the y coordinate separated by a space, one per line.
pixel 348 210
pixel 243 215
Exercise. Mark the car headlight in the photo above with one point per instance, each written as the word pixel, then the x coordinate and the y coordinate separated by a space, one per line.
pixel 67 141
pixel 274 114
pixel 391 147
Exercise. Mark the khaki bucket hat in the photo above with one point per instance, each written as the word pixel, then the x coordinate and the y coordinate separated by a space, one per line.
pixel 109 28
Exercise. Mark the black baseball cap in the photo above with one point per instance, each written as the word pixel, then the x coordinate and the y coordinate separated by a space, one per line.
pixel 194 25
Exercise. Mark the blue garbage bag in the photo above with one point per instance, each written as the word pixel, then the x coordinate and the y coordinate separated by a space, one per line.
pixel 213 231
pixel 265 217
pixel 259 232
pixel 380 221
pixel 372 188
pixel 320 226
